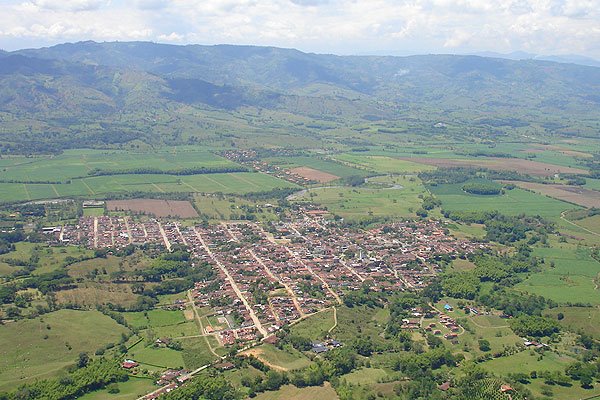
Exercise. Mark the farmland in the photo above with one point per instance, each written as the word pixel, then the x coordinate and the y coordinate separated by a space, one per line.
pixel 571 194
pixel 158 208
pixel 50 343
pixel 512 202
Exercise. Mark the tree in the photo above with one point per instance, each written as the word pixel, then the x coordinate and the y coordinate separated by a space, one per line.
pixel 84 360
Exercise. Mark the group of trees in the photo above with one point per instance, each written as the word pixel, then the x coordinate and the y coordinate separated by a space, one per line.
pixel 87 376
pixel 182 171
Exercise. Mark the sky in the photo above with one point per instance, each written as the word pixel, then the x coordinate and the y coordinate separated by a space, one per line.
pixel 396 27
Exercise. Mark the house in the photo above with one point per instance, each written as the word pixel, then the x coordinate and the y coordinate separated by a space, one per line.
pixel 448 307
pixel 444 387
pixel 319 348
pixel 129 364
pixel 226 366
pixel 506 389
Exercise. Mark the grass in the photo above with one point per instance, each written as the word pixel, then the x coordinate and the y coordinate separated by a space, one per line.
pixel 361 203
pixel 219 208
pixel 571 280
pixel 101 186
pixel 586 319
pixel 29 350
pixel 382 164
pixel 196 352
pixel 154 318
pixel 321 164
pixel 513 202
pixel 289 392
pixel 314 327
pixel 130 390
pixel 287 359
pixel 525 362
pixel 156 358
pixel 50 258
pixel 365 376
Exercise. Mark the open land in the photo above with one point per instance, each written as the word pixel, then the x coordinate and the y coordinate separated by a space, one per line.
pixel 158 208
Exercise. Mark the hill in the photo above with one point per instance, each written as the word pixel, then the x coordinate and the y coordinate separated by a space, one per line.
pixel 88 93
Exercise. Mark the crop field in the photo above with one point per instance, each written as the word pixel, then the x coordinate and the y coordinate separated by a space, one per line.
pixel 100 186
pixel 360 203
pixel 78 163
pixel 503 164
pixel 314 174
pixel 572 279
pixel 593 184
pixel 158 208
pixel 571 194
pixel 329 166
pixel 382 164
pixel 512 202
pixel 89 295
pixel 50 343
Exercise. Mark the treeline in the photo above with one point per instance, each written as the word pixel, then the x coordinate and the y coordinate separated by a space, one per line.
pixel 483 188
pixel 457 175
pixel 505 229
pixel 8 240
pixel 89 377
pixel 157 171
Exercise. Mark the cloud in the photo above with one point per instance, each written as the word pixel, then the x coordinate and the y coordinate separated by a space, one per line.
pixel 70 5
pixel 332 26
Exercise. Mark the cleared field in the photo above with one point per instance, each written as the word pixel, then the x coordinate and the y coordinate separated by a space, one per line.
pixel 284 360
pixel 314 174
pixel 525 362
pixel 130 390
pixel 39 348
pixel 503 164
pixel 90 295
pixel 383 164
pixel 289 392
pixel 572 279
pixel 361 203
pixel 314 327
pixel 586 319
pixel 365 376
pixel 100 186
pixel 512 202
pixel 572 194
pixel 156 358
pixel 320 164
pixel 221 207
pixel 50 258
pixel 158 208
pixel 78 163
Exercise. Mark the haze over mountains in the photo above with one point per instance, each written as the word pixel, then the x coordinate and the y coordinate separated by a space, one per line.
pixel 77 92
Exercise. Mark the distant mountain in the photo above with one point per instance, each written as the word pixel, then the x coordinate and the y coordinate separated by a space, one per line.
pixel 521 55
pixel 95 90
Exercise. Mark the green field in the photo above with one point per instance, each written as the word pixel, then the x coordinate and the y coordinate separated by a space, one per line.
pixel 77 163
pixel 39 348
pixel 289 392
pixel 571 280
pixel 314 327
pixel 321 164
pixel 130 390
pixel 287 359
pixel 512 202
pixel 360 203
pixel 382 164
pixel 50 258
pixel 156 358
pixel 586 319
pixel 101 186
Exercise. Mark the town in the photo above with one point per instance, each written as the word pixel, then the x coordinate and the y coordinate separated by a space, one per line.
pixel 271 275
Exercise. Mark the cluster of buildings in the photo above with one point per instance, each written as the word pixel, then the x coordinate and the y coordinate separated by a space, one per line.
pixel 268 276
pixel 249 158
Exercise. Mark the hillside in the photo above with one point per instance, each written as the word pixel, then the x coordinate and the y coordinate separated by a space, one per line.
pixel 75 92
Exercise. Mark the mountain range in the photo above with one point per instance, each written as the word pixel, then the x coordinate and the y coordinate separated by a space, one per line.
pixel 89 93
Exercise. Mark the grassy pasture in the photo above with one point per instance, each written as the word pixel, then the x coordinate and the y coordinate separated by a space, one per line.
pixel 132 389
pixel 314 327
pixel 287 359
pixel 365 376
pixel 586 319
pixel 382 164
pixel 229 207
pixel 289 392
pixel 360 203
pixel 512 202
pixel 50 258
pixel 572 279
pixel 329 166
pixel 29 350
pixel 156 358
